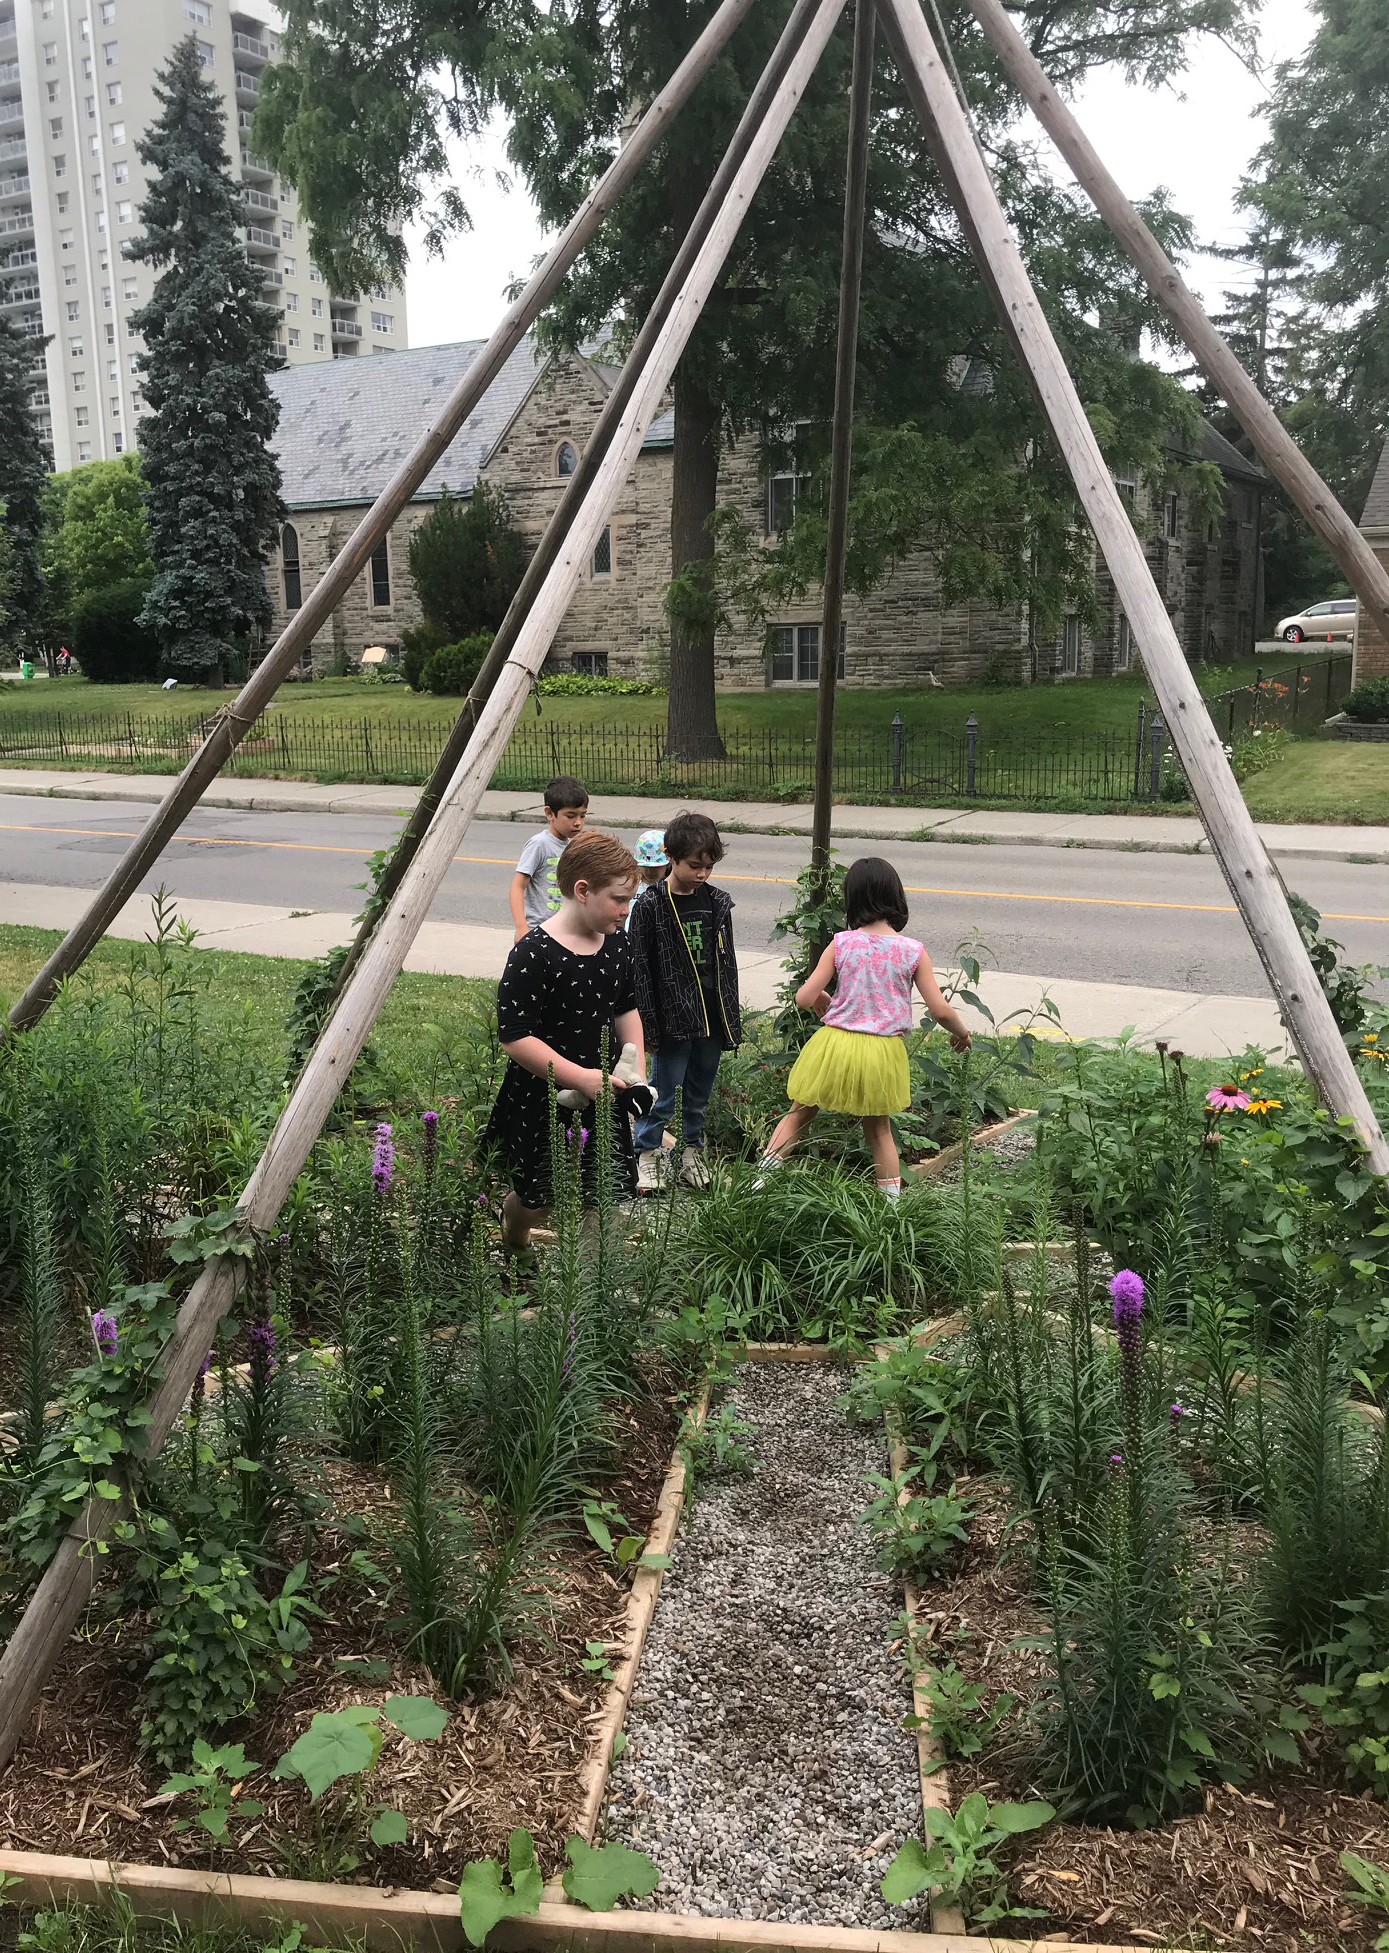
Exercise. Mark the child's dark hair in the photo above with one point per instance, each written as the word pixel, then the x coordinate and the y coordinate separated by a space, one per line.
pixel 565 791
pixel 873 892
pixel 691 836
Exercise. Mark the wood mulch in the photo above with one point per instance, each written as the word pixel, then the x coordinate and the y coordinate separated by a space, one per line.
pixel 80 1785
pixel 1255 1870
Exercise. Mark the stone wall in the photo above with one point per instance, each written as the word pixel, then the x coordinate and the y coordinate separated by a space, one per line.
pixel 902 634
pixel 1371 650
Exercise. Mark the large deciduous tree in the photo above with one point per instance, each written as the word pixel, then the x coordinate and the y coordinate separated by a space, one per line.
pixel 98 532
pixel 1318 190
pixel 213 486
pixel 23 465
pixel 358 117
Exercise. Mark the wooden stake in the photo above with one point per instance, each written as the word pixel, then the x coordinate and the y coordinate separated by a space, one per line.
pixel 579 483
pixel 1285 460
pixel 236 720
pixel 1253 881
pixel 841 441
pixel 62 1594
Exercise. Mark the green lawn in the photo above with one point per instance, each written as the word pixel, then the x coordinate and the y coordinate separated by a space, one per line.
pixel 1081 704
pixel 1324 780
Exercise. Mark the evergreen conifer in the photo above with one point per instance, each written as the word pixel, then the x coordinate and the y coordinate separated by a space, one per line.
pixel 23 465
pixel 213 484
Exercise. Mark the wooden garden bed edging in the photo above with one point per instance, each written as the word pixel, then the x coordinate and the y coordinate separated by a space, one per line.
pixel 388 1921
pixel 928 1169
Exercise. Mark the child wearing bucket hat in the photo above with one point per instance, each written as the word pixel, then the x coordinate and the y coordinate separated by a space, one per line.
pixel 653 864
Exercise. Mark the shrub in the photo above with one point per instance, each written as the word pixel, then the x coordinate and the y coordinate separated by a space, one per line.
pixel 587 684
pixel 1369 702
pixel 417 647
pixel 450 671
pixel 108 640
pixel 466 560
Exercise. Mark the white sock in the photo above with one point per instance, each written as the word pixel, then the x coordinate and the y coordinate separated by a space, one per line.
pixel 769 1160
pixel 890 1188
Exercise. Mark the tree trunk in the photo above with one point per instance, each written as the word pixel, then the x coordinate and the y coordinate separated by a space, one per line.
pixel 692 729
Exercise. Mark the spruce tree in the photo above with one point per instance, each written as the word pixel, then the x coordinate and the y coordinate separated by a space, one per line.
pixel 23 466
pixel 213 487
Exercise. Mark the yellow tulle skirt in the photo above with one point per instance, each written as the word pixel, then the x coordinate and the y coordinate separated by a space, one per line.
pixel 852 1071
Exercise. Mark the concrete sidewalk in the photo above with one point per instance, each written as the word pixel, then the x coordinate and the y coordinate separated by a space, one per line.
pixel 1125 833
pixel 1206 1026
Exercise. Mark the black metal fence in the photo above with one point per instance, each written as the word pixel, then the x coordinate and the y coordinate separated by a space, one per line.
pixel 916 764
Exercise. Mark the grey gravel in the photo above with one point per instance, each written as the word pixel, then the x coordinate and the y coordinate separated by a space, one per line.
pixel 1006 1150
pixel 767 1773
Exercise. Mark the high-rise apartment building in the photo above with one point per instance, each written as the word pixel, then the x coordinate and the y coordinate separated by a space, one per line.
pixel 76 93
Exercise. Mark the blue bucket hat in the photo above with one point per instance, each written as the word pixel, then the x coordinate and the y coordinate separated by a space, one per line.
pixel 650 850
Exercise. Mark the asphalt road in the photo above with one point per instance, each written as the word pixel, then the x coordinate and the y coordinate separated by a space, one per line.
pixel 1157 919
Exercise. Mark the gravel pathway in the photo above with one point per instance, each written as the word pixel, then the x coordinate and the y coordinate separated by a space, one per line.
pixel 767 1772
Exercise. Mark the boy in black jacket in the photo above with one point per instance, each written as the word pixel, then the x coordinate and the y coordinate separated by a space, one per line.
pixel 687 993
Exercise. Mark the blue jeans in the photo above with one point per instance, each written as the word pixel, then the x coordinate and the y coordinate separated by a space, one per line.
pixel 688 1067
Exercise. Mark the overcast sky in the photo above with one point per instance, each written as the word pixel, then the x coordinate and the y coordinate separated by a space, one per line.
pixel 1196 139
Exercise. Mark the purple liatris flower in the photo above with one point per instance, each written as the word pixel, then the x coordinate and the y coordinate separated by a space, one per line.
pixel 431 1125
pixel 1175 1416
pixel 104 1331
pixel 206 1364
pixel 482 1201
pixel 1116 1459
pixel 431 1140
pixel 382 1159
pixel 583 1137
pixel 1126 1292
pixel 262 1350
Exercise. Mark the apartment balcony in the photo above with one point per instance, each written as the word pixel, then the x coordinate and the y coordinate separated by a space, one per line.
pixel 18 295
pixel 16 260
pixel 247 87
pixel 253 47
pixel 253 165
pixel 346 329
pixel 9 77
pixel 13 186
pixel 39 399
pixel 11 115
pixel 259 200
pixel 13 149
pixel 30 328
pixel 261 241
pixel 19 223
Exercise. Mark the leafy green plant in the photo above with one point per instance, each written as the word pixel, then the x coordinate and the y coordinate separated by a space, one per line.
pixel 960 1719
pixel 596 1877
pixel 220 1642
pixel 915 1533
pixel 214 1780
pixel 343 1746
pixel 1369 1886
pixel 717 1447
pixel 607 1528
pixel 959 1859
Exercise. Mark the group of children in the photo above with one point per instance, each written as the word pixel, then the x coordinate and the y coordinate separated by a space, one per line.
pixel 638 946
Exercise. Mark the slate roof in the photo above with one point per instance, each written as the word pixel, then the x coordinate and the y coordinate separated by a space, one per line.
pixel 1376 514
pixel 347 424
pixel 1226 456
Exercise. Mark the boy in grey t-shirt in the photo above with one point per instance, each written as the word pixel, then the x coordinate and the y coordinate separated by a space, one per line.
pixel 534 893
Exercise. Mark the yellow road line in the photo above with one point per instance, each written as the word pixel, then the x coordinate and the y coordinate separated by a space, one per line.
pixel 786 881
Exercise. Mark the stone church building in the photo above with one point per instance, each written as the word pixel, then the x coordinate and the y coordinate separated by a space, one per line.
pixel 1371 652
pixel 347 425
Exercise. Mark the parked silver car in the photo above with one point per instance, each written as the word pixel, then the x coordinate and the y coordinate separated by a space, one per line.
pixel 1334 619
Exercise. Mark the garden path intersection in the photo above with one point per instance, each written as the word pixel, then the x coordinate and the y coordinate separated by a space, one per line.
pixel 1116 938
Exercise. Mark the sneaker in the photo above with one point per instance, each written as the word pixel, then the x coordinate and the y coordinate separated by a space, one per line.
pixel 650 1172
pixel 693 1171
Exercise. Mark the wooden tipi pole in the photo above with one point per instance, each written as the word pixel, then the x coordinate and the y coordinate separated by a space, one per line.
pixel 1253 881
pixel 61 1595
pixel 841 440
pixel 236 719
pixel 1275 447
pixel 577 487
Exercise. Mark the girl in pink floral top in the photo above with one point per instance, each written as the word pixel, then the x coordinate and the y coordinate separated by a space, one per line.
pixel 856 1062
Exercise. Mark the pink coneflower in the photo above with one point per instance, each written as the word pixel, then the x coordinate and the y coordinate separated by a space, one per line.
pixel 1227 1098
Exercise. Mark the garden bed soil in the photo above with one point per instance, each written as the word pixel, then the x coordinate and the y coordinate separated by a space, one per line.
pixel 515 1757
pixel 1254 1870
